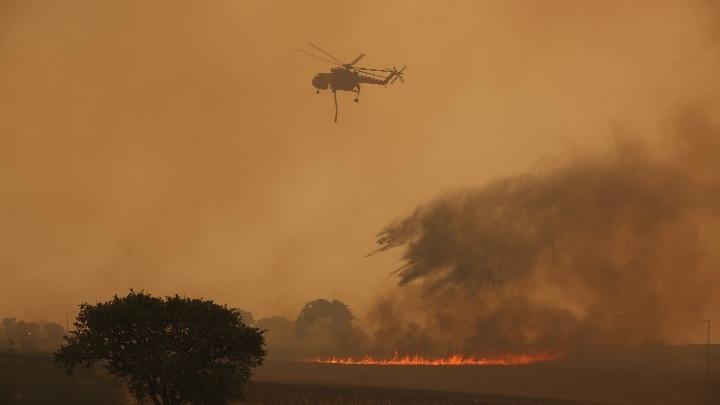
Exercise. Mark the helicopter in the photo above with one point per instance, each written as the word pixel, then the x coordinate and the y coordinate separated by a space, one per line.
pixel 348 77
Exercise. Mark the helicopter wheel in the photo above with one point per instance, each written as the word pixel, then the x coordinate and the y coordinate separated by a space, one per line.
pixel 356 100
pixel 317 91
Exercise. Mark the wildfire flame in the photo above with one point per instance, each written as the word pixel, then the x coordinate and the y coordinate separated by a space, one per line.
pixel 452 360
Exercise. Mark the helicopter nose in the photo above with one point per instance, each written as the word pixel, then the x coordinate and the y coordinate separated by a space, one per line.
pixel 319 82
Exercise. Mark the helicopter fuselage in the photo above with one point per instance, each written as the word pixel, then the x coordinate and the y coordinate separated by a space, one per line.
pixel 342 79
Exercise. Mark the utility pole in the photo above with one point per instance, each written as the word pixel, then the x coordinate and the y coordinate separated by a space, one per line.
pixel 708 322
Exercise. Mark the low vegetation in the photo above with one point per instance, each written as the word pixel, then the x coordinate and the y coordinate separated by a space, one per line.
pixel 34 379
pixel 301 394
pixel 171 350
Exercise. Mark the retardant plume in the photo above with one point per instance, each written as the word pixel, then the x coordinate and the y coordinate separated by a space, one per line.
pixel 612 249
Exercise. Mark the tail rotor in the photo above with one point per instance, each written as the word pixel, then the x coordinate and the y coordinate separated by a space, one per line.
pixel 397 74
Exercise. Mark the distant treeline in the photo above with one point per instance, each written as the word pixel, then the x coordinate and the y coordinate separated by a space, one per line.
pixel 322 328
pixel 18 335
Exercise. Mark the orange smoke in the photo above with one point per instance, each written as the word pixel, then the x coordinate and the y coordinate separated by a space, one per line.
pixel 452 360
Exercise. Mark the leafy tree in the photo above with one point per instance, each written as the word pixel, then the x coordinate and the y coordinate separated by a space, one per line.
pixel 30 336
pixel 324 328
pixel 25 334
pixel 174 350
pixel 335 312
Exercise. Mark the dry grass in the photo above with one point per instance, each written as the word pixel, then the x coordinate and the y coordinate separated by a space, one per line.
pixel 260 393
pixel 34 379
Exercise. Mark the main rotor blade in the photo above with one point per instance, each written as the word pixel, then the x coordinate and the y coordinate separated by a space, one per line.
pixel 319 57
pixel 373 74
pixel 356 59
pixel 373 70
pixel 331 57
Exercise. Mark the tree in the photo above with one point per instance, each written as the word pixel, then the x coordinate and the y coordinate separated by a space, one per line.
pixel 30 336
pixel 174 350
pixel 325 328
pixel 335 312
pixel 25 334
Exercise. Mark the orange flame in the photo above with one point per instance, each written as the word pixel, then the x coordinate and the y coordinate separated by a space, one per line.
pixel 452 360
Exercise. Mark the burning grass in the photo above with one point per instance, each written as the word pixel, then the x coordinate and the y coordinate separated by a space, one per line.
pixel 452 360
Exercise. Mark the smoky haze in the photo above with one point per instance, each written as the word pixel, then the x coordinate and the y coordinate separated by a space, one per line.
pixel 178 147
pixel 618 248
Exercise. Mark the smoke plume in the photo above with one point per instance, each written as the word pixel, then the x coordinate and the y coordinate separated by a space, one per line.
pixel 618 248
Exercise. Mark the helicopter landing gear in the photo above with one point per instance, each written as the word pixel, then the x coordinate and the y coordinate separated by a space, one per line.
pixel 357 98
pixel 317 91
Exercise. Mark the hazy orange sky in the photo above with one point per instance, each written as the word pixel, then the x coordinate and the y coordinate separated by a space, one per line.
pixel 179 147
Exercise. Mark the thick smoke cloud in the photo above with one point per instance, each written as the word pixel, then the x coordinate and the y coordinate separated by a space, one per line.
pixel 166 146
pixel 618 248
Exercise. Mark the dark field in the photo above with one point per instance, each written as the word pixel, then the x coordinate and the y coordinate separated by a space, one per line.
pixel 33 379
pixel 291 394
pixel 627 376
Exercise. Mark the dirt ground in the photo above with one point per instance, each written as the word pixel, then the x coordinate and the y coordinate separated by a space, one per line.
pixel 639 379
pixel 263 393
pixel 642 379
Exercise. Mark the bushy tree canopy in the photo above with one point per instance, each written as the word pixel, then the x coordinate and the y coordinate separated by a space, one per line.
pixel 29 336
pixel 174 350
pixel 325 328
pixel 335 312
